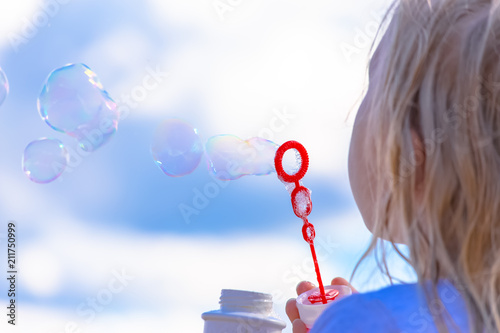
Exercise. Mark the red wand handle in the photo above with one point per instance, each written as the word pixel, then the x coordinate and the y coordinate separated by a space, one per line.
pixel 301 199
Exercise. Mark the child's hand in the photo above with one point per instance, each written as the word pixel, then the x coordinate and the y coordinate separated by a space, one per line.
pixel 291 305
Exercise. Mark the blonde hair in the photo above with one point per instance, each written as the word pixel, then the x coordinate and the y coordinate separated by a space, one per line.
pixel 440 78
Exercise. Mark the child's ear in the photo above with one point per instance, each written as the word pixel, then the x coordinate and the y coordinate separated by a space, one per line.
pixel 419 158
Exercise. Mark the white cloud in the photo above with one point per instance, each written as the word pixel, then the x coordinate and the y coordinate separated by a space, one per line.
pixel 266 55
pixel 175 278
pixel 20 21
pixel 12 15
pixel 41 271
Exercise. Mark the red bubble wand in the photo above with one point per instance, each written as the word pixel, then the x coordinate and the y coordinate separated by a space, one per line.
pixel 301 199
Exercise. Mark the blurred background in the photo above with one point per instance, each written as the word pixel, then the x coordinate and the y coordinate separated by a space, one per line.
pixel 109 247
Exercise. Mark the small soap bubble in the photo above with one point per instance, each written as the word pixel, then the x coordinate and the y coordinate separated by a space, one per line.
pixel 176 147
pixel 44 160
pixel 231 157
pixel 308 232
pixel 301 201
pixel 291 161
pixel 4 86
pixel 73 101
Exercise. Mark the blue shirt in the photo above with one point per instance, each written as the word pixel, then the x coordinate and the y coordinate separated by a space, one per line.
pixel 399 308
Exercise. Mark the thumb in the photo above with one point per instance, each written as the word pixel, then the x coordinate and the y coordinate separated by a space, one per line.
pixel 299 326
pixel 343 282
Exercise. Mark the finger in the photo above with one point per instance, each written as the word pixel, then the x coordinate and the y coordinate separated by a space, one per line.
pixel 343 282
pixel 299 326
pixel 291 310
pixel 304 286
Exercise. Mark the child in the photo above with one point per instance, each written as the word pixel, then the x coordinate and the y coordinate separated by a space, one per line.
pixel 424 166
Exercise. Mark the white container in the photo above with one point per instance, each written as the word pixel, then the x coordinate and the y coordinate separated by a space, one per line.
pixel 310 312
pixel 243 312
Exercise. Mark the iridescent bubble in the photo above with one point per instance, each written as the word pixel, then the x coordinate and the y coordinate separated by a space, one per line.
pixel 301 201
pixel 44 160
pixel 176 147
pixel 4 86
pixel 231 157
pixel 73 101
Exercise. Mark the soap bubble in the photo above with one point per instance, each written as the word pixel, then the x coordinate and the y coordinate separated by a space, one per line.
pixel 176 147
pixel 44 160
pixel 301 201
pixel 291 161
pixel 73 101
pixel 231 157
pixel 4 86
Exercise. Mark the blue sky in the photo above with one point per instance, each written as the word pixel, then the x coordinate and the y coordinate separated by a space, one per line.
pixel 116 211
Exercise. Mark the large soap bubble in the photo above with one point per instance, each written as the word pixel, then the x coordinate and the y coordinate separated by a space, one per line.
pixel 177 149
pixel 231 157
pixel 73 101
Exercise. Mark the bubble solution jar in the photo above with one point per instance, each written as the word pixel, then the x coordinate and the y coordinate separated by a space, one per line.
pixel 310 311
pixel 243 312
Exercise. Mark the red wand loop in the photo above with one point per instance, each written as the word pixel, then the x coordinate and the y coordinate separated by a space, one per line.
pixel 301 199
